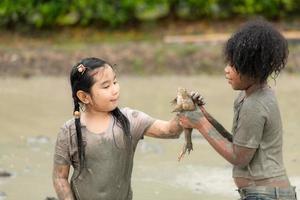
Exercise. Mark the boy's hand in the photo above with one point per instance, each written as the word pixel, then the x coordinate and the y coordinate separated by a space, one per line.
pixel 197 98
pixel 191 119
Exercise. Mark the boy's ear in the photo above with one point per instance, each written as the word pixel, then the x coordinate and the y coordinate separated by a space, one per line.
pixel 83 96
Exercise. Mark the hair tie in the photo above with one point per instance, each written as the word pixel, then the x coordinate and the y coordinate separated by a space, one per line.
pixel 76 114
pixel 81 69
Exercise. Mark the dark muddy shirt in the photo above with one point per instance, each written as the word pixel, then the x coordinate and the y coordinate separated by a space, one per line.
pixel 106 174
pixel 257 124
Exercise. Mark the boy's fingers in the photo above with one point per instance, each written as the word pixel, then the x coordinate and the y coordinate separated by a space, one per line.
pixel 200 101
pixel 197 98
pixel 194 95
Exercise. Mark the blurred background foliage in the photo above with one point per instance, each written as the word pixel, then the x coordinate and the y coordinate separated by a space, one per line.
pixel 48 36
pixel 116 13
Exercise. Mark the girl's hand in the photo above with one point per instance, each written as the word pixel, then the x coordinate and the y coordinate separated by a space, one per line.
pixel 191 119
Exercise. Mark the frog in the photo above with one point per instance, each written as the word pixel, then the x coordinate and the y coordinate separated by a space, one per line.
pixel 185 102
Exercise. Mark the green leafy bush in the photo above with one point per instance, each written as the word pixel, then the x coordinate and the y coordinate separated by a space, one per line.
pixel 115 13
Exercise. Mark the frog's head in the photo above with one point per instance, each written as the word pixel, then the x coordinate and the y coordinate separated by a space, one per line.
pixel 182 91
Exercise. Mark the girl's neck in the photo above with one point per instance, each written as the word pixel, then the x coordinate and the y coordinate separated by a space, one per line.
pixel 91 121
pixel 91 115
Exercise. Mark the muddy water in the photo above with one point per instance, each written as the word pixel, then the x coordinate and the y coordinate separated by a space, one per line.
pixel 31 112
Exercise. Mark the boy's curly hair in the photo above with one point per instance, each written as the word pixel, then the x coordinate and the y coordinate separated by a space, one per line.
pixel 257 50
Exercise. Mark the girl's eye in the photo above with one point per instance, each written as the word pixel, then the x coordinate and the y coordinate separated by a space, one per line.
pixel 115 82
pixel 105 86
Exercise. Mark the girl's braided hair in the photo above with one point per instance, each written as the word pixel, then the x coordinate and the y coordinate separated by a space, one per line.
pixel 81 78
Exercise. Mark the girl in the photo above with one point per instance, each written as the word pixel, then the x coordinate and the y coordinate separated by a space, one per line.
pixel 253 53
pixel 99 142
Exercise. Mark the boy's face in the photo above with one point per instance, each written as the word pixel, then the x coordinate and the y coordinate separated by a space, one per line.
pixel 236 80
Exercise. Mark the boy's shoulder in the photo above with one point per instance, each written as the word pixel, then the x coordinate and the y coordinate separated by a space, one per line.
pixel 261 100
pixel 262 96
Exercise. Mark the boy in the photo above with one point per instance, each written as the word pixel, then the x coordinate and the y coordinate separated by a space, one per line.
pixel 253 53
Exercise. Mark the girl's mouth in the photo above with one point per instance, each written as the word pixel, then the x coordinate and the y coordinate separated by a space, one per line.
pixel 114 100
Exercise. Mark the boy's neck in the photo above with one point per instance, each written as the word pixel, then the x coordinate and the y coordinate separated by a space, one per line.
pixel 253 87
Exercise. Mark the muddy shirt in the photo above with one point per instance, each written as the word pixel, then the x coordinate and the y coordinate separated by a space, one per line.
pixel 257 124
pixel 106 174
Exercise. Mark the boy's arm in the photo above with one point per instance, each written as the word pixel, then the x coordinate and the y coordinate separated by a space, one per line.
pixel 165 129
pixel 199 100
pixel 217 125
pixel 60 182
pixel 236 155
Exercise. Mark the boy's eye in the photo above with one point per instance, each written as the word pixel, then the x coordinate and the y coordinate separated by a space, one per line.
pixel 105 86
pixel 115 82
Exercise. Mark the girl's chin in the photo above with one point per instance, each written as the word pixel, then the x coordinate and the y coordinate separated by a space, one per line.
pixel 114 106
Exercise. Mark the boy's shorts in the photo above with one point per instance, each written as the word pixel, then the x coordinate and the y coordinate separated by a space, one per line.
pixel 267 193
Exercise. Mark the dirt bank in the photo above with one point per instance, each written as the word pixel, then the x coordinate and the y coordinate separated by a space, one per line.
pixel 30 57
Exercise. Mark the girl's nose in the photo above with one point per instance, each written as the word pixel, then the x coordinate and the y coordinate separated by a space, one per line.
pixel 115 89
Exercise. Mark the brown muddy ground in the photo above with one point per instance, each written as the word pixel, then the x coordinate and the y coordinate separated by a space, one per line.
pixel 32 110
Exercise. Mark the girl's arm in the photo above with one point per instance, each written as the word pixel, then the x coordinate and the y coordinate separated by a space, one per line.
pixel 236 155
pixel 60 182
pixel 165 129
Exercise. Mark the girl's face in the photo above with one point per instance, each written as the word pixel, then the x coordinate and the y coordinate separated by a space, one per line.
pixel 236 80
pixel 104 94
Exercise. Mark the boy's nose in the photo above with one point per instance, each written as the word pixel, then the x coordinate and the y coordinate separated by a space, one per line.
pixel 226 69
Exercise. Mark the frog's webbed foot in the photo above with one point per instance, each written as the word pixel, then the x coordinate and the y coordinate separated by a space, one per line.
pixel 188 147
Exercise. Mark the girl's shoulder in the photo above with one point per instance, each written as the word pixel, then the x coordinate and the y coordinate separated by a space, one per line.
pixel 68 127
pixel 129 112
pixel 125 110
pixel 134 115
pixel 70 124
pixel 139 121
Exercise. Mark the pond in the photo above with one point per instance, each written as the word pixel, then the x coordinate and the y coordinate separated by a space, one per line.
pixel 32 111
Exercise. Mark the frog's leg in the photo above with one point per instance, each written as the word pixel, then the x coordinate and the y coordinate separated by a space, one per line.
pixel 188 146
